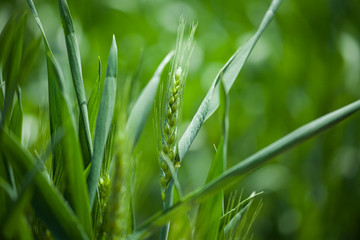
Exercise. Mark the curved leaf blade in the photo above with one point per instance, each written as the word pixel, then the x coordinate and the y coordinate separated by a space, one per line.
pixel 229 74
pixel 235 174
pixel 143 105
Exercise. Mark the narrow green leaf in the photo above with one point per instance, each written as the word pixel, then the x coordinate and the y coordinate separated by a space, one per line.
pixel 29 56
pixel 47 202
pixel 73 169
pixel 229 74
pixel 93 107
pixel 75 67
pixel 235 174
pixel 67 157
pixel 11 223
pixel 103 121
pixel 16 121
pixel 12 69
pixel 143 105
pixel 210 211
pixel 6 39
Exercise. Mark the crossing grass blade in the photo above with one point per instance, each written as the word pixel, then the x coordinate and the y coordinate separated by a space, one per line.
pixel 67 157
pixel 10 227
pixel 28 60
pixel 229 73
pixel 103 121
pixel 210 212
pixel 47 201
pixel 12 69
pixel 143 105
pixel 75 67
pixel 16 121
pixel 6 39
pixel 235 174
pixel 93 107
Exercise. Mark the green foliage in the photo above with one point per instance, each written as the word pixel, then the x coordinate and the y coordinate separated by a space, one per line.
pixel 82 185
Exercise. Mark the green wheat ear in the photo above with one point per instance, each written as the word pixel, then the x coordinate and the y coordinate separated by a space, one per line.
pixel 171 95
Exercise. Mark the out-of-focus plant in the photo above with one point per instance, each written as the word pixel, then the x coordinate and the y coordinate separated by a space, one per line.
pixel 81 186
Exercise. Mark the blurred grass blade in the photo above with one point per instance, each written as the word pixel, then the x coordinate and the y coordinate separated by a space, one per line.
pixel 56 102
pixel 210 211
pixel 73 169
pixel 10 226
pixel 103 121
pixel 12 69
pixel 143 105
pixel 16 121
pixel 6 39
pixel 75 66
pixel 47 202
pixel 234 174
pixel 29 56
pixel 93 107
pixel 67 158
pixel 229 74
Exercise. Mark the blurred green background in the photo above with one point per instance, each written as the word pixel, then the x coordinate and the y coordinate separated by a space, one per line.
pixel 306 64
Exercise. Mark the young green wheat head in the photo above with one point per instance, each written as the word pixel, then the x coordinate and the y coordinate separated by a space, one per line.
pixel 169 112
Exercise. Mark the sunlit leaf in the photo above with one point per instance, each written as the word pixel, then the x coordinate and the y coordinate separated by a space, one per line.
pixel 228 73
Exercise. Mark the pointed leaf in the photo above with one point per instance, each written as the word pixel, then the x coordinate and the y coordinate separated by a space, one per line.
pixel 235 174
pixel 93 107
pixel 103 121
pixel 75 66
pixel 12 69
pixel 67 158
pixel 6 39
pixel 16 121
pixel 210 212
pixel 229 73
pixel 143 105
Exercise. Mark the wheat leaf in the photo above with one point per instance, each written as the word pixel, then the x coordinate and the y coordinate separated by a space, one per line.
pixel 75 67
pixel 47 202
pixel 229 73
pixel 103 121
pixel 235 174
pixel 143 105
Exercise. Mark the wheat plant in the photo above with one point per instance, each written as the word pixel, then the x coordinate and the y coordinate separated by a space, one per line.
pixel 81 186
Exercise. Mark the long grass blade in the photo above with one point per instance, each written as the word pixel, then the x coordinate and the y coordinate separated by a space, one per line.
pixel 47 202
pixel 75 67
pixel 235 174
pixel 229 74
pixel 12 69
pixel 93 107
pixel 210 212
pixel 143 105
pixel 6 39
pixel 16 121
pixel 67 158
pixel 103 121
